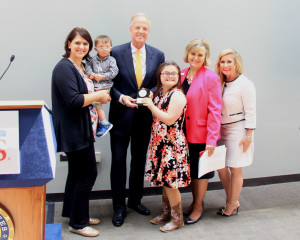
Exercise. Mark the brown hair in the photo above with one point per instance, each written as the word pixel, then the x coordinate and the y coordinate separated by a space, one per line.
pixel 159 71
pixel 103 38
pixel 84 34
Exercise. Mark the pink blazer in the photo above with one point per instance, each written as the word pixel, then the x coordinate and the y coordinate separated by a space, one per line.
pixel 204 107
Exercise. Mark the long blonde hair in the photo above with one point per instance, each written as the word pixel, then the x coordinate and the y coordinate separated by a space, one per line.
pixel 238 61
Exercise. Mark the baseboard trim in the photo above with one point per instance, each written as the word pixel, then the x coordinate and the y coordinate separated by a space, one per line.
pixel 251 182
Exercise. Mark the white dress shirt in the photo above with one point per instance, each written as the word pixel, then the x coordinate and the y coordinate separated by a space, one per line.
pixel 143 59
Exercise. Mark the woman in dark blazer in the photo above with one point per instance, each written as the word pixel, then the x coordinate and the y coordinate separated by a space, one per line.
pixel 73 119
pixel 203 117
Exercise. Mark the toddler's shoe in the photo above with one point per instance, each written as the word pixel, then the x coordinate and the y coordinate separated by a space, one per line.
pixel 103 129
pixel 98 129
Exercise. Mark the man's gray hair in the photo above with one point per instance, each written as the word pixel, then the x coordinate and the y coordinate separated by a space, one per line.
pixel 140 15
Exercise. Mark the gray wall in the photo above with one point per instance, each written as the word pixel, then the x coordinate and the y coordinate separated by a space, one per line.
pixel 266 33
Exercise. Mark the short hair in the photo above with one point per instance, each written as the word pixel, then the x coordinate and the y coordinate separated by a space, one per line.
pixel 195 45
pixel 140 15
pixel 158 75
pixel 238 61
pixel 103 38
pixel 84 34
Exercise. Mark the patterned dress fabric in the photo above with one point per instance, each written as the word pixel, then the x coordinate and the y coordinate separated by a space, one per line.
pixel 167 158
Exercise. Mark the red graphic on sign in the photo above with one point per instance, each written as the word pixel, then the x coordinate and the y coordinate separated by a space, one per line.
pixel 2 151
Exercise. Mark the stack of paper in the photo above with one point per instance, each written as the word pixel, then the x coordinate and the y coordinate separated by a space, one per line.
pixel 214 162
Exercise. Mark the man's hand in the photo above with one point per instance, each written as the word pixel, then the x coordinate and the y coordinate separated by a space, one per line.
pixel 129 101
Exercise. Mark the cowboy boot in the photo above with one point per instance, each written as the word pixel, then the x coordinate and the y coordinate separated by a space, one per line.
pixel 176 219
pixel 165 214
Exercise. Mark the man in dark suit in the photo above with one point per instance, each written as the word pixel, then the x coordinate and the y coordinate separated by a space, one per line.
pixel 137 63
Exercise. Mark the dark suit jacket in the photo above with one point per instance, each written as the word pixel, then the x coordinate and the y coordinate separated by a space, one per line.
pixel 121 116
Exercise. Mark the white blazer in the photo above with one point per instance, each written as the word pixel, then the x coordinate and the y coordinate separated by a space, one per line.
pixel 239 102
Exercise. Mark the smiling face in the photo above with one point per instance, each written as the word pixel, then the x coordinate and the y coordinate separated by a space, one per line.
pixel 196 58
pixel 79 47
pixel 228 67
pixel 169 77
pixel 139 30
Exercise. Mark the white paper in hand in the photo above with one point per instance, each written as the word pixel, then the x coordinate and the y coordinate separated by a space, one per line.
pixel 216 161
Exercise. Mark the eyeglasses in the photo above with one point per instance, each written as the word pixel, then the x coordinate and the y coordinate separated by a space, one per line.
pixel 103 48
pixel 168 74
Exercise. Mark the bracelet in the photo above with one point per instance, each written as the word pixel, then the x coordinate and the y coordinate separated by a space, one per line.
pixel 249 138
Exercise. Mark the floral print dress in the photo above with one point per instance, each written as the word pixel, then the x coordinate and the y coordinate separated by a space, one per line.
pixel 167 158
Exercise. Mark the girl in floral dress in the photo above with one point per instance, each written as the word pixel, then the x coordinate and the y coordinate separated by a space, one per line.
pixel 167 159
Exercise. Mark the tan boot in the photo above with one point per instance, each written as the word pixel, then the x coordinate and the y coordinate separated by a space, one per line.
pixel 176 219
pixel 165 214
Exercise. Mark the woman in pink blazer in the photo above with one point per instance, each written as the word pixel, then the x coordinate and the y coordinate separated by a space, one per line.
pixel 203 117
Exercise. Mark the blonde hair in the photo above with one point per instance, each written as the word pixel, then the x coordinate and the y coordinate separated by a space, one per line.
pixel 238 61
pixel 195 45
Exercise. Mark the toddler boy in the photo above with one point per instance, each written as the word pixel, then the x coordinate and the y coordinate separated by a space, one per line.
pixel 102 68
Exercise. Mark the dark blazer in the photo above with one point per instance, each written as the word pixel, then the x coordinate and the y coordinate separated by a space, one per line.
pixel 125 83
pixel 72 122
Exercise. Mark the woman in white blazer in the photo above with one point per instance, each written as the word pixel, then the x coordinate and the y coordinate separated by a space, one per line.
pixel 238 124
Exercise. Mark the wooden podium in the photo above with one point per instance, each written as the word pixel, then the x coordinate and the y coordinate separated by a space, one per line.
pixel 23 195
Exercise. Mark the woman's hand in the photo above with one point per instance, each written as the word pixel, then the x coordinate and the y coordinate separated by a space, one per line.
pixel 92 76
pixel 103 96
pixel 245 143
pixel 210 150
pixel 247 140
pixel 97 96
pixel 148 102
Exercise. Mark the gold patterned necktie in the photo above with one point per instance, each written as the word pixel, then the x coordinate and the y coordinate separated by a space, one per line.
pixel 138 68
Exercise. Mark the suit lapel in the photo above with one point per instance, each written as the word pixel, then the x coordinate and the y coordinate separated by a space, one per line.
pixel 127 56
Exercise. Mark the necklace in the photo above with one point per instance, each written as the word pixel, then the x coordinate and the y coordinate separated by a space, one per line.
pixel 80 68
pixel 189 77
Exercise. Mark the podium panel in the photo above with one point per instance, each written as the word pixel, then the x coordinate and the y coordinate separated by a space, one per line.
pixel 27 208
pixel 23 196
pixel 37 146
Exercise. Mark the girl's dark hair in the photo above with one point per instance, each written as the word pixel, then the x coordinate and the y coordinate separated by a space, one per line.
pixel 83 33
pixel 158 73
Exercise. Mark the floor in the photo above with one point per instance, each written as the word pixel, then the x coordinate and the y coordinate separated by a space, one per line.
pixel 266 212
